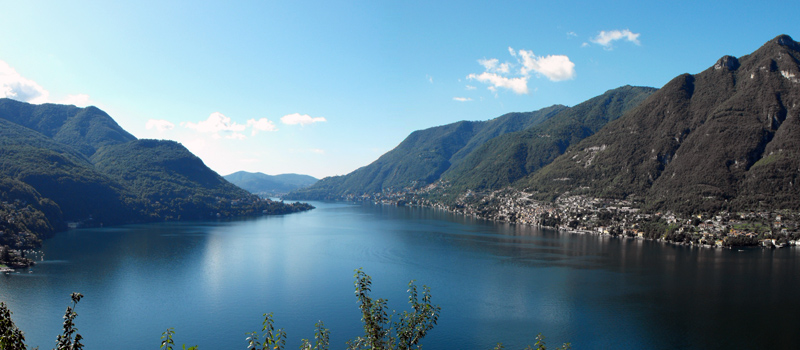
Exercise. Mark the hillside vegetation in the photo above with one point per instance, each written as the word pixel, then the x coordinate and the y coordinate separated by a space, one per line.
pixel 480 155
pixel 64 165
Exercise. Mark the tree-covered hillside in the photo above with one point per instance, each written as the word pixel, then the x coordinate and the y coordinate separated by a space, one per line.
pixel 509 157
pixel 423 156
pixel 63 164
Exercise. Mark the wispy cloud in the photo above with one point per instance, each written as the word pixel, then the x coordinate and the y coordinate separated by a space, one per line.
pixel 606 38
pixel 219 126
pixel 16 87
pixel 215 123
pixel 554 67
pixel 462 99
pixel 262 124
pixel 430 78
pixel 159 124
pixel 514 76
pixel 302 119
pixel 519 84
pixel 470 87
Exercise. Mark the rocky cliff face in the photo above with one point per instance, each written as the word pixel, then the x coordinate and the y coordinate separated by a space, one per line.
pixel 726 137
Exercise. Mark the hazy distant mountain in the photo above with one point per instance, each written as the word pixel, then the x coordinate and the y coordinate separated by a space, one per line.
pixel 62 164
pixel 270 185
pixel 728 137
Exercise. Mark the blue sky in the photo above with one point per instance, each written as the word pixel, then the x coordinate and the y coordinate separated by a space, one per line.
pixel 323 88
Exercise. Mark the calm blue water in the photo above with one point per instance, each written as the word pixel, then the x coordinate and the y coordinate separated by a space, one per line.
pixel 212 282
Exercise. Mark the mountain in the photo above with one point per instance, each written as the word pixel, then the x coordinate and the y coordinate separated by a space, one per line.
pixel 509 157
pixel 726 138
pixel 83 129
pixel 270 185
pixel 481 155
pixel 63 164
pixel 423 156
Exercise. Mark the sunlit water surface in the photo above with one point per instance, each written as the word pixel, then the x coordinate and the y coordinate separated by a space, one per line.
pixel 212 281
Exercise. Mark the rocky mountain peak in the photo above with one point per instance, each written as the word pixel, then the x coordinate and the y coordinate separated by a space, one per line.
pixel 787 41
pixel 727 62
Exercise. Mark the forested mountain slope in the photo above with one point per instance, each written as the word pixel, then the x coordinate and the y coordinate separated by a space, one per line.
pixel 62 164
pixel 423 156
pixel 511 156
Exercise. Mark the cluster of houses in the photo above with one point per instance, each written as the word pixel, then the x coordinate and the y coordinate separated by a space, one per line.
pixel 609 217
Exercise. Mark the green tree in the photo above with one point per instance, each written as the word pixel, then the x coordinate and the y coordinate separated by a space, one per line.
pixel 11 338
pixel 70 339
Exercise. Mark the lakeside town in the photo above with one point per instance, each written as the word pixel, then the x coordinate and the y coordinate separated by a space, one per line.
pixel 582 214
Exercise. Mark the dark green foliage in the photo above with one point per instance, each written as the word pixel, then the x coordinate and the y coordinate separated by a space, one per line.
pixel 322 338
pixel 167 343
pixel 70 339
pixel 272 338
pixel 379 330
pixel 269 185
pixel 11 338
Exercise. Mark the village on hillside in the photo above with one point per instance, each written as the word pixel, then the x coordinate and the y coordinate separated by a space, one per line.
pixel 582 214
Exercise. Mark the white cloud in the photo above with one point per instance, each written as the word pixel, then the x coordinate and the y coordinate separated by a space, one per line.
pixel 554 67
pixel 317 150
pixel 236 136
pixel 262 124
pixel 462 99
pixel 572 34
pixel 17 87
pixel 430 78
pixel 215 123
pixel 470 87
pixel 605 38
pixel 159 124
pixel 519 85
pixel 302 119
pixel 494 66
pixel 515 76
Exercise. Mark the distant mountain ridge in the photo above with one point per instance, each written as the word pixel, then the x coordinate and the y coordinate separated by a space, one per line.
pixel 62 164
pixel 483 154
pixel 270 185
pixel 423 156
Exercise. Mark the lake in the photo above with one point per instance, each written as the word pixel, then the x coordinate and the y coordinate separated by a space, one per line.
pixel 212 281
